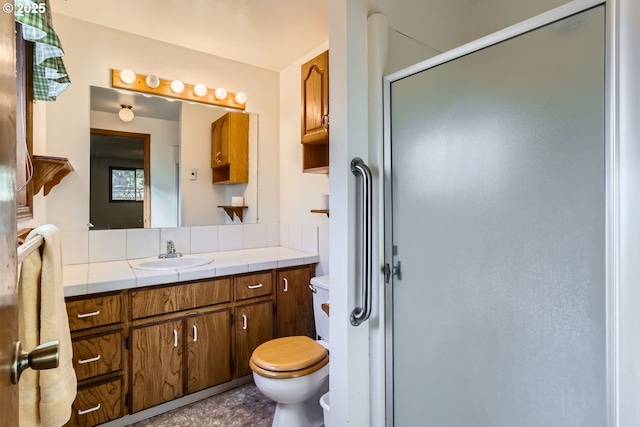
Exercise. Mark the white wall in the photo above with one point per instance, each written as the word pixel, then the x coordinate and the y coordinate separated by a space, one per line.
pixel 90 52
pixel 489 16
pixel 299 192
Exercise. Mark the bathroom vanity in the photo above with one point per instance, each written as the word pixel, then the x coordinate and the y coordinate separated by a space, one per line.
pixel 141 346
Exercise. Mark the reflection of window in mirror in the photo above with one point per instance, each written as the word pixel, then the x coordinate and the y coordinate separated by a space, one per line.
pixel 24 124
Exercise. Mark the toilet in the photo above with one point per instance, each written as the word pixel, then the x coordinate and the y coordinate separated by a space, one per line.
pixel 294 371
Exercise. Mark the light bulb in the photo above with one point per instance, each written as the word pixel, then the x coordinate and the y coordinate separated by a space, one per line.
pixel 177 86
pixel 200 89
pixel 153 81
pixel 240 98
pixel 221 93
pixel 126 113
pixel 127 76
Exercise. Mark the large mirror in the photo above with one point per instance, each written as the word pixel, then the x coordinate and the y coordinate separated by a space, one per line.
pixel 135 166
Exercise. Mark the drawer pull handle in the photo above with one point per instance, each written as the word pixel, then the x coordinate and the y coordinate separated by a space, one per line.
pixel 286 285
pixel 195 333
pixel 93 359
pixel 244 322
pixel 175 338
pixel 259 285
pixel 86 411
pixel 93 313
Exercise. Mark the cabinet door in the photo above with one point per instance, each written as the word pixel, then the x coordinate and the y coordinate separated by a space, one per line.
pixel 220 142
pixel 294 315
pixel 208 350
pixel 157 370
pixel 254 325
pixel 315 99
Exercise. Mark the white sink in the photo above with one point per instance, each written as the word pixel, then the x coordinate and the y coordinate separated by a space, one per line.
pixel 171 263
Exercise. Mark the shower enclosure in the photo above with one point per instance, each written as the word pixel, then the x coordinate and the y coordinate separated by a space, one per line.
pixel 496 208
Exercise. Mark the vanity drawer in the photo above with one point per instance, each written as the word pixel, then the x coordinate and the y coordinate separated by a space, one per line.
pixel 97 355
pixel 253 285
pixel 97 404
pixel 154 301
pixel 96 311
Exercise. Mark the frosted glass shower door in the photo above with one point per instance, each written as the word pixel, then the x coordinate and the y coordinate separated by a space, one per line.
pixel 498 216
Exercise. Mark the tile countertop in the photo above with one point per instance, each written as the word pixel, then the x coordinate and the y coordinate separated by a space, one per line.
pixel 83 279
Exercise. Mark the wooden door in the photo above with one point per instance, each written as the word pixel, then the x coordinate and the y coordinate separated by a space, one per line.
pixel 294 314
pixel 8 290
pixel 208 350
pixel 315 99
pixel 156 368
pixel 220 142
pixel 254 325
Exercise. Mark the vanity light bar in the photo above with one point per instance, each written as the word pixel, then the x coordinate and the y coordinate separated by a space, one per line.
pixel 164 88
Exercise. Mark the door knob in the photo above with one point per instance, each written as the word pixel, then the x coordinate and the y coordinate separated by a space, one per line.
pixel 44 356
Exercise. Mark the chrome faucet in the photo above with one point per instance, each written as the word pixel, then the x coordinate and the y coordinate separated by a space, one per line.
pixel 171 251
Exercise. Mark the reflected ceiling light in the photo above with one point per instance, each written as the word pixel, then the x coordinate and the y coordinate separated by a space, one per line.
pixel 153 81
pixel 177 86
pixel 127 76
pixel 125 113
pixel 240 98
pixel 221 93
pixel 200 89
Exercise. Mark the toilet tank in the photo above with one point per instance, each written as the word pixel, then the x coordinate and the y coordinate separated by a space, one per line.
pixel 321 294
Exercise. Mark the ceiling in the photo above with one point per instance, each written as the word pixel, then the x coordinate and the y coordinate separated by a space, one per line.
pixel 270 34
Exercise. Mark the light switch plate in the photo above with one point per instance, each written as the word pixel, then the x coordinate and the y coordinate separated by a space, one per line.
pixel 193 175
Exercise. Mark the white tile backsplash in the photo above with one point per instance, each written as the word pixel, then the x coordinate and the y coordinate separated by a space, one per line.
pixel 254 236
pixel 75 247
pixel 143 243
pixel 310 239
pixel 181 237
pixel 204 239
pixel 295 237
pixel 107 245
pixel 273 234
pixel 230 237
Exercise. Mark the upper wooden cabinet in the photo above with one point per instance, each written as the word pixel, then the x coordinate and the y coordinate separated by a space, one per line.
pixel 315 114
pixel 230 149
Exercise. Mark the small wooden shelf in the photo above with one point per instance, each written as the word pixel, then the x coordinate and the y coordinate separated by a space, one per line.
pixel 48 172
pixel 234 210
pixel 324 211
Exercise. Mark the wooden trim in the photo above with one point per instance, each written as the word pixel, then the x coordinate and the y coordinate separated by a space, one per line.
pixel 24 110
pixel 146 203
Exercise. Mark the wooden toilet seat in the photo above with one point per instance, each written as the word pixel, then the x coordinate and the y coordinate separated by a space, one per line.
pixel 288 357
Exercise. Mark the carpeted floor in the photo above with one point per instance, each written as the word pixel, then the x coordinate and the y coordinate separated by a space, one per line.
pixel 244 406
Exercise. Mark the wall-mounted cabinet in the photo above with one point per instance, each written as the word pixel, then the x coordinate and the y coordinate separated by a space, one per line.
pixel 230 149
pixel 315 114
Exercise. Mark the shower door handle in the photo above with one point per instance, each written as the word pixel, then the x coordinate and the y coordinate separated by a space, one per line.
pixel 362 313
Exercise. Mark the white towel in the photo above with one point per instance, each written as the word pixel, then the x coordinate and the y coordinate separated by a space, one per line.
pixel 49 394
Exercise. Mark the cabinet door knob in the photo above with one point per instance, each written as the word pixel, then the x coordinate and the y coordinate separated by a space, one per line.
pixel 244 322
pixel 286 285
pixel 218 154
pixel 175 338
pixel 195 333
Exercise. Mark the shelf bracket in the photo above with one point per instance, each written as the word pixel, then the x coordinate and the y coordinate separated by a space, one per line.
pixel 234 210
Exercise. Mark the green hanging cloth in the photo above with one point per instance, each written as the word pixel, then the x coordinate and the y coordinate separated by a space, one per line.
pixel 50 77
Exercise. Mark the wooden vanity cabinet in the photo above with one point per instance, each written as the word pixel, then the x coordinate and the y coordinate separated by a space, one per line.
pixel 254 316
pixel 156 364
pixel 208 338
pixel 180 340
pixel 98 326
pixel 230 149
pixel 315 114
pixel 294 302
